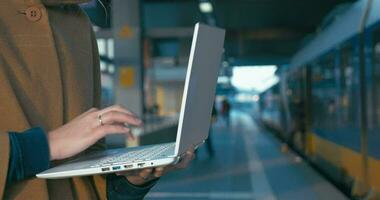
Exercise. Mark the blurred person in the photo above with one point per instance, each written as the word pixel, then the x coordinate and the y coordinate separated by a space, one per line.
pixel 49 100
pixel 214 118
pixel 226 109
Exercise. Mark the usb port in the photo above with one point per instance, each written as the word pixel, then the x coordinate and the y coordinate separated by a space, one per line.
pixel 141 164
pixel 105 169
pixel 128 166
pixel 116 168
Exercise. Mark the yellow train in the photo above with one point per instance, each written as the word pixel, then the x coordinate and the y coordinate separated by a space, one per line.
pixel 327 103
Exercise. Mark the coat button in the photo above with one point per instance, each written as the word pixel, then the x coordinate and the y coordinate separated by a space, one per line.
pixel 33 14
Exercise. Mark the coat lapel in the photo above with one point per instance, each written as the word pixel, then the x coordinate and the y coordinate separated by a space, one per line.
pixel 30 69
pixel 44 79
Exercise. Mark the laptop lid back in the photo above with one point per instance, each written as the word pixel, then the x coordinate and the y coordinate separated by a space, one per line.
pixel 200 84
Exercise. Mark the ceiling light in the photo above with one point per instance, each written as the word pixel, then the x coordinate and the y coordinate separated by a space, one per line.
pixel 205 7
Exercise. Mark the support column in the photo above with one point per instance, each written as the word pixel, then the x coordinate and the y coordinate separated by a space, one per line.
pixel 127 34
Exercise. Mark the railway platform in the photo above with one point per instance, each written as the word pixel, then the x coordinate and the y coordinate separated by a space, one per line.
pixel 248 164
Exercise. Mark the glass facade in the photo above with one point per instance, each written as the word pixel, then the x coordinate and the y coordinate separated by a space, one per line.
pixel 107 68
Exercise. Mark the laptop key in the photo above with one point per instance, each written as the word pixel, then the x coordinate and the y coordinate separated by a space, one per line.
pixel 136 156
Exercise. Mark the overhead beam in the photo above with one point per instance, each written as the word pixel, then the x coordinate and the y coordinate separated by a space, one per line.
pixel 256 34
pixel 267 34
pixel 259 48
pixel 177 32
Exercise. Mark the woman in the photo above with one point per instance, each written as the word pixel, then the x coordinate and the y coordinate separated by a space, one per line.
pixel 49 81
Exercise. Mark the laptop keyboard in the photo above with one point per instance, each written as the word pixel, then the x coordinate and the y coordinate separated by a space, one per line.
pixel 148 153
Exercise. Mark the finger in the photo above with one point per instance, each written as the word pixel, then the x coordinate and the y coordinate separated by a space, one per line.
pixel 158 172
pixel 189 153
pixel 125 173
pixel 191 149
pixel 135 173
pixel 185 161
pixel 118 108
pixel 112 117
pixel 102 131
pixel 146 173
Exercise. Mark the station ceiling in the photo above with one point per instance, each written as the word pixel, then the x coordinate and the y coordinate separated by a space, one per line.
pixel 258 31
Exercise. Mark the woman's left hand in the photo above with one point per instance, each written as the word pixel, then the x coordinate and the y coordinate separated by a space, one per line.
pixel 140 177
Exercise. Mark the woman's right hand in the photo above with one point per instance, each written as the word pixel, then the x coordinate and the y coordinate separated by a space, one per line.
pixel 86 129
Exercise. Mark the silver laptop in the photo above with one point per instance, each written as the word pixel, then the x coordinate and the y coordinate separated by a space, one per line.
pixel 194 119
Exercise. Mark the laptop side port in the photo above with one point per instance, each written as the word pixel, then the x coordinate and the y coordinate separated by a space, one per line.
pixel 141 164
pixel 128 166
pixel 116 168
pixel 105 169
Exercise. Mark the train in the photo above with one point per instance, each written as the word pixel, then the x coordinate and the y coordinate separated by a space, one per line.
pixel 326 105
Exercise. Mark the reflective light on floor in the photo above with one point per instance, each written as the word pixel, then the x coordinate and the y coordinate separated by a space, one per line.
pixel 259 181
pixel 248 164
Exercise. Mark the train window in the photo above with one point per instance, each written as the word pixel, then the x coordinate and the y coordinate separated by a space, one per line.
pixel 347 98
pixel 296 92
pixel 376 79
pixel 324 92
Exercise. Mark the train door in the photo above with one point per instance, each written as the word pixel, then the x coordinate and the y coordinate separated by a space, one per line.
pixel 294 102
pixel 300 114
pixel 307 140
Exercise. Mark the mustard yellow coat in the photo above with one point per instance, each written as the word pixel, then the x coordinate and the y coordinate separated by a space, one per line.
pixel 49 73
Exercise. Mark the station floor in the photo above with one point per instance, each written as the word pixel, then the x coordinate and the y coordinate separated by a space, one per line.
pixel 248 164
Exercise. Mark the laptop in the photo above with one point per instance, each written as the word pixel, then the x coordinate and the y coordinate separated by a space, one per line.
pixel 193 124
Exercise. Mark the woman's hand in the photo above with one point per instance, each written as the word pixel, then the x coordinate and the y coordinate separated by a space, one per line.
pixel 139 177
pixel 86 129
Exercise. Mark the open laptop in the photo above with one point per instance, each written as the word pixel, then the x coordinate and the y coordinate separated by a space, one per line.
pixel 194 119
